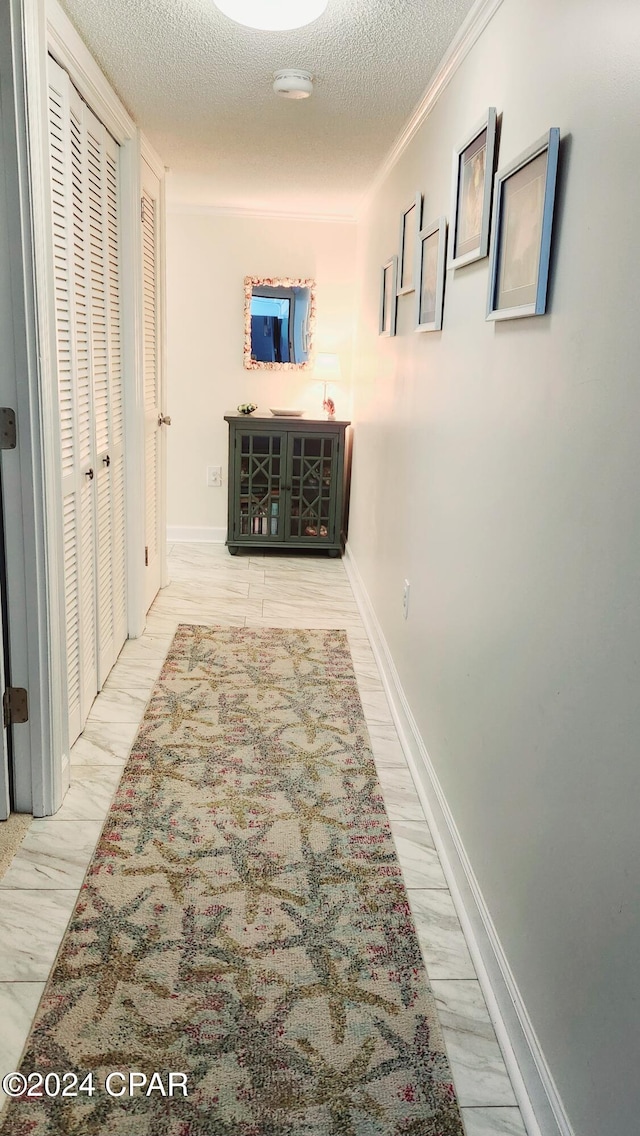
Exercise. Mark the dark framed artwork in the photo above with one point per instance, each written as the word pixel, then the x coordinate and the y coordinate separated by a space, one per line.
pixel 473 170
pixel 388 296
pixel 429 273
pixel 522 221
pixel 410 222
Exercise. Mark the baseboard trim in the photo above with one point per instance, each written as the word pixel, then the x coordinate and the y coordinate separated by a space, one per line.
pixel 538 1098
pixel 195 534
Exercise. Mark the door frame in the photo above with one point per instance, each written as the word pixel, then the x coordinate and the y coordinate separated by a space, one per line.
pixel 33 580
pixel 39 27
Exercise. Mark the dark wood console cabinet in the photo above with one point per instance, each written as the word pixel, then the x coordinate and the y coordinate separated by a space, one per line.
pixel 288 483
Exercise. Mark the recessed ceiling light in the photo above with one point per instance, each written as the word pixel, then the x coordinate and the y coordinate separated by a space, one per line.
pixel 272 15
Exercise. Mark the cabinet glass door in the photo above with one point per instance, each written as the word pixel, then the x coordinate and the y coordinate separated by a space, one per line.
pixel 259 479
pixel 313 472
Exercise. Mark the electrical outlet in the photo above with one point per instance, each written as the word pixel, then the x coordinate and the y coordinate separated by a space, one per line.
pixel 405 599
pixel 214 476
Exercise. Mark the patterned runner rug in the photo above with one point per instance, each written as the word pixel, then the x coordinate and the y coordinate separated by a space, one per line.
pixel 243 924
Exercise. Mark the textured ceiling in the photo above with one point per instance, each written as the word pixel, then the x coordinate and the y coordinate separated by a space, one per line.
pixel 199 86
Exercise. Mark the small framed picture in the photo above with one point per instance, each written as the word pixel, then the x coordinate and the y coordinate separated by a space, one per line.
pixel 410 222
pixel 388 296
pixel 473 170
pixel 429 272
pixel 521 231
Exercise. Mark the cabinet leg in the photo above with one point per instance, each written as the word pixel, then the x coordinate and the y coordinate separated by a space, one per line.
pixel 233 549
pixel 334 552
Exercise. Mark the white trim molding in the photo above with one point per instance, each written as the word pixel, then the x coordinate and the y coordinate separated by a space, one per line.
pixel 71 52
pixel 36 626
pixel 195 534
pixel 536 1093
pixel 152 157
pixel 469 33
pixel 195 210
pixel 24 484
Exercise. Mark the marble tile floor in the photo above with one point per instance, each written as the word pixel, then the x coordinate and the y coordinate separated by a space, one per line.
pixel 39 890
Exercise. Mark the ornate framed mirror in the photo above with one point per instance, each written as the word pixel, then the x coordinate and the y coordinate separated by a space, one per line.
pixel 279 319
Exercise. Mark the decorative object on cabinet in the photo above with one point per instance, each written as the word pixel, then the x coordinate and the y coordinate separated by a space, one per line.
pixel 430 258
pixel 327 370
pixel 280 412
pixel 288 484
pixel 388 297
pixel 279 321
pixel 521 227
pixel 410 222
pixel 473 170
pixel 247 407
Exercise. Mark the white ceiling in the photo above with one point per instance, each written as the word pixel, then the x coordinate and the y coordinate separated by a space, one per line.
pixel 199 85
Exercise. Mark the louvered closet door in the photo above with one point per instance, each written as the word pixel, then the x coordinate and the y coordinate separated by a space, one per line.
pixel 72 282
pixel 84 167
pixel 153 397
pixel 106 370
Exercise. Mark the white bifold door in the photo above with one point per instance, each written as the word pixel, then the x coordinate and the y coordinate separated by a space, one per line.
pixel 154 418
pixel 86 250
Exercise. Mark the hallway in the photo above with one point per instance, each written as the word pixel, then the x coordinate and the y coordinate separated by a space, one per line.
pixel 40 889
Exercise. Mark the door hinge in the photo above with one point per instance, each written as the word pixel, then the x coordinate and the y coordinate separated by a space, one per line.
pixel 146 555
pixel 142 209
pixel 8 436
pixel 15 705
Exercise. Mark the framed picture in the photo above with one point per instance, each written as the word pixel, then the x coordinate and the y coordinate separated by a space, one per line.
pixel 388 297
pixel 521 242
pixel 429 272
pixel 410 222
pixel 473 169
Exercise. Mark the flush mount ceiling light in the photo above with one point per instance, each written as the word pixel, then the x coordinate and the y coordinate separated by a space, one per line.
pixel 272 15
pixel 293 84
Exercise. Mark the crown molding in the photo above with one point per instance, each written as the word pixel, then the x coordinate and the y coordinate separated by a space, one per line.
pixel 468 35
pixel 261 214
pixel 152 157
pixel 66 46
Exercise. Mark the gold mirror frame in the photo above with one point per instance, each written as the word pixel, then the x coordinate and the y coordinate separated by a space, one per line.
pixel 277 282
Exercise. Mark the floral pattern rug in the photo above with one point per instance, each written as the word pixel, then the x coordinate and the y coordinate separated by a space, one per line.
pixel 243 922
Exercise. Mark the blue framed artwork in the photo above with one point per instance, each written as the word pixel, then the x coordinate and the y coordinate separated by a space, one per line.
pixel 472 182
pixel 410 224
pixel 522 221
pixel 429 273
pixel 388 297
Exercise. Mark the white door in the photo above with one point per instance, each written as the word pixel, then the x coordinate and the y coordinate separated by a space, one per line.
pixel 84 172
pixel 5 792
pixel 155 420
pixel 106 373
pixel 71 240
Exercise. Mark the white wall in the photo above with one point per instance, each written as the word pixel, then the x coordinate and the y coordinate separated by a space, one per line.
pixel 208 256
pixel 496 467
